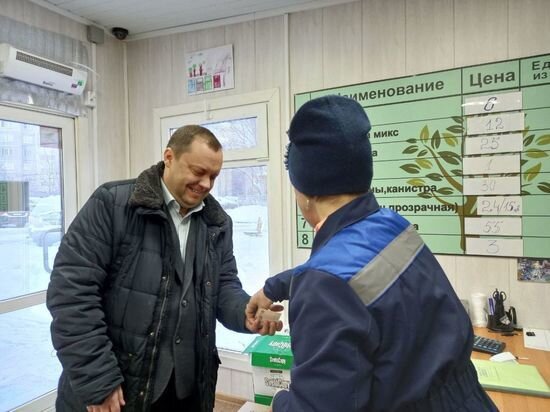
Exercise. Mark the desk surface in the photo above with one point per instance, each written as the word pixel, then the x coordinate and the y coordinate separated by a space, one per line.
pixel 511 402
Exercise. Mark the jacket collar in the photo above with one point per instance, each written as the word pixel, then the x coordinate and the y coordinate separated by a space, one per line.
pixel 147 194
pixel 348 214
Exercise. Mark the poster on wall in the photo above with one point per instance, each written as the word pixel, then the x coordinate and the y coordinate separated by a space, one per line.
pixel 463 154
pixel 534 270
pixel 210 70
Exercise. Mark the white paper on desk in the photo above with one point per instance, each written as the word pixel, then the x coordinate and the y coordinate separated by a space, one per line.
pixel 253 407
pixel 540 341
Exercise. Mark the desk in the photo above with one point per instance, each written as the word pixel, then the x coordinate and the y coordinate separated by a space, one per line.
pixel 511 402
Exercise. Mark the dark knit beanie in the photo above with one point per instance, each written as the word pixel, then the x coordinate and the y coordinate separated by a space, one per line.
pixel 329 152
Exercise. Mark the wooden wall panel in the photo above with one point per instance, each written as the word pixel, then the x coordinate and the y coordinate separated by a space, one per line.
pixel 144 144
pixel 430 35
pixel 384 39
pixel 111 108
pixel 36 16
pixel 528 27
pixel 342 39
pixel 269 61
pixel 448 263
pixel 242 36
pixel 476 43
pixel 306 51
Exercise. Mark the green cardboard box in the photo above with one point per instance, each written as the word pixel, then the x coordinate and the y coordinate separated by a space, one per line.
pixel 271 359
pixel 263 399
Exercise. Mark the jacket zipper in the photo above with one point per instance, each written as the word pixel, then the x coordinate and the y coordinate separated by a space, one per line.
pixel 155 346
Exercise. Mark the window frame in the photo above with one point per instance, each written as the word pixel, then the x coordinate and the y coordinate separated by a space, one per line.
pixel 265 106
pixel 67 126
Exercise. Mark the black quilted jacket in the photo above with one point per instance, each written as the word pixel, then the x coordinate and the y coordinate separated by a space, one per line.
pixel 108 287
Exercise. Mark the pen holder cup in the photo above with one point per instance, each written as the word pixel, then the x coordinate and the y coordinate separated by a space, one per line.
pixel 494 324
pixel 491 322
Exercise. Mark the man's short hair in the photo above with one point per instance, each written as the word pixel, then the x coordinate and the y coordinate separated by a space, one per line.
pixel 182 138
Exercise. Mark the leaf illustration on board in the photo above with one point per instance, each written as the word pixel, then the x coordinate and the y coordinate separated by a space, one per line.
pixel 416 182
pixel 531 173
pixel 410 150
pixel 410 168
pixel 535 153
pixel 543 140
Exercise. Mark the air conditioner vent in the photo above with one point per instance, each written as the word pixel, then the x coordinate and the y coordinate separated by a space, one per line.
pixel 27 67
pixel 37 61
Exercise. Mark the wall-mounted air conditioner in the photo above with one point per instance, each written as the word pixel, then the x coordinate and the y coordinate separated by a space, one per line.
pixel 30 68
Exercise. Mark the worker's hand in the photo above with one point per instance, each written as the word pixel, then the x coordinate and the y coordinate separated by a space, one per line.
pixel 255 323
pixel 112 403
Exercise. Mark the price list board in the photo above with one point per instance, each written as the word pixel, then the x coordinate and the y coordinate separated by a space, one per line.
pixel 463 154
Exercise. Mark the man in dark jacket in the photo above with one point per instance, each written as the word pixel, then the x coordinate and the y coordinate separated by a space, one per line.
pixel 141 275
pixel 374 321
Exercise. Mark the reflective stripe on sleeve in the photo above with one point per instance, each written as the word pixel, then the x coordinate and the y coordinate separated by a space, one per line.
pixel 382 271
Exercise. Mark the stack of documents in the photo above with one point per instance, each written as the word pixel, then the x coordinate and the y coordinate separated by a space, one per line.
pixel 511 377
pixel 536 338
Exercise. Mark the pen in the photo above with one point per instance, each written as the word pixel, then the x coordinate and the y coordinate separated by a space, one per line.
pixel 491 306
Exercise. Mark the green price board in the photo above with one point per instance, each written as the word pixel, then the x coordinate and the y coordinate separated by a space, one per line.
pixel 463 154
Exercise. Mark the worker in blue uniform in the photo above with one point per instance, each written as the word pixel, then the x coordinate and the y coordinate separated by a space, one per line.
pixel 375 324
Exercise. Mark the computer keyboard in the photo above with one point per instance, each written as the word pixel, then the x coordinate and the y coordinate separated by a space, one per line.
pixel 488 345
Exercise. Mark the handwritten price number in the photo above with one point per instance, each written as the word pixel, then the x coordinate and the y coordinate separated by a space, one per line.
pixel 506 205
pixel 492 247
pixel 490 143
pixel 492 226
pixel 490 103
pixel 494 124
pixel 488 185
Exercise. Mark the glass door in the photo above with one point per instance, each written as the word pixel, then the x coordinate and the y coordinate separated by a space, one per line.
pixel 37 201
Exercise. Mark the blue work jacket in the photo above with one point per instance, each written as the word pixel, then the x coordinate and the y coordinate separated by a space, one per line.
pixel 375 324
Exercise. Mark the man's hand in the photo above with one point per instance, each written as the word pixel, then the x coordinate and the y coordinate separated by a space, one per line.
pixel 112 403
pixel 256 324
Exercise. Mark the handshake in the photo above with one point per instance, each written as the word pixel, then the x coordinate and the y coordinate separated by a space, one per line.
pixel 262 316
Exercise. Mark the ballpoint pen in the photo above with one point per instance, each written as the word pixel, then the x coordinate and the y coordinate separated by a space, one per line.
pixel 491 306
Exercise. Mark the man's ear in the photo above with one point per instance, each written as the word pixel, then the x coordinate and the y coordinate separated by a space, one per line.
pixel 168 156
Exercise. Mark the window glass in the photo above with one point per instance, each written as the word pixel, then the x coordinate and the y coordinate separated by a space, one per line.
pixel 235 134
pixel 37 170
pixel 29 365
pixel 248 187
pixel 242 192
pixel 31 215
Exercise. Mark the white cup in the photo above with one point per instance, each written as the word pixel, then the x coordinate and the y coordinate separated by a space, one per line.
pixel 478 304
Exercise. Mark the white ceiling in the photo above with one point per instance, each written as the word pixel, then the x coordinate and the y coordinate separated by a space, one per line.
pixel 147 18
